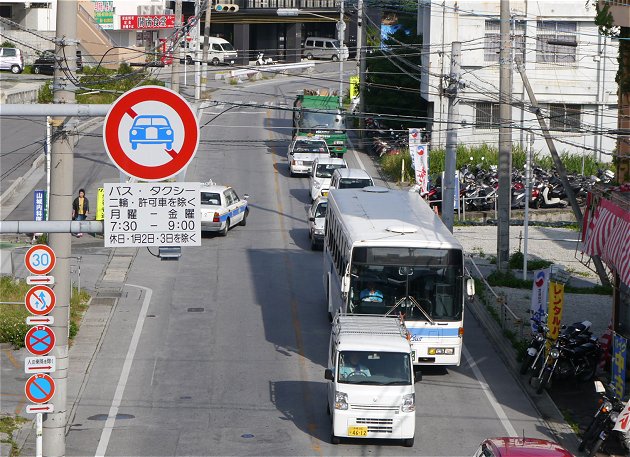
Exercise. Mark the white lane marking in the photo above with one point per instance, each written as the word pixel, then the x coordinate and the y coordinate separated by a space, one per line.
pixel 153 374
pixel 124 375
pixel 356 156
pixel 507 425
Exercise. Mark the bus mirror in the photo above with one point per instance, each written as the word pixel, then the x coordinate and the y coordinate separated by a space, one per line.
pixel 345 284
pixel 328 374
pixel 405 271
pixel 470 287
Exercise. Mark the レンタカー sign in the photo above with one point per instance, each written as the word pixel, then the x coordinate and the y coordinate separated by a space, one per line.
pixel 151 133
pixel 152 214
pixel 40 259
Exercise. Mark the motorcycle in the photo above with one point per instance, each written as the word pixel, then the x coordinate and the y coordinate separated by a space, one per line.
pixel 536 347
pixel 603 422
pixel 260 59
pixel 571 355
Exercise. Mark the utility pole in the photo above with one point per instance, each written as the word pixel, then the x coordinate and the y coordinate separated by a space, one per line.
pixel 206 35
pixel 177 50
pixel 528 195
pixel 562 172
pixel 341 27
pixel 451 137
pixel 505 140
pixel 197 36
pixel 61 192
pixel 362 63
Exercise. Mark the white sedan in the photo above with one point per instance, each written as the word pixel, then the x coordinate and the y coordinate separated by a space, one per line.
pixel 221 209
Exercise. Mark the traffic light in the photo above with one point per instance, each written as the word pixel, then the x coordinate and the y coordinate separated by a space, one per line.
pixel 226 8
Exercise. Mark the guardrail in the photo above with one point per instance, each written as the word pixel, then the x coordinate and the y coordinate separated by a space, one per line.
pixel 507 319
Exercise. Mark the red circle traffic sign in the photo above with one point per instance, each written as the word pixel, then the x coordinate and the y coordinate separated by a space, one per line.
pixel 40 300
pixel 40 340
pixel 39 388
pixel 151 124
pixel 40 259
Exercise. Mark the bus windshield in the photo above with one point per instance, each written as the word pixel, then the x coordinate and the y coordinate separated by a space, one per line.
pixel 375 368
pixel 421 283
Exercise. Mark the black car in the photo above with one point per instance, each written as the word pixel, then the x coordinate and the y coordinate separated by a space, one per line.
pixel 45 63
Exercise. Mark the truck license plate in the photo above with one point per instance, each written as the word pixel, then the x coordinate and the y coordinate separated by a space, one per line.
pixel 357 431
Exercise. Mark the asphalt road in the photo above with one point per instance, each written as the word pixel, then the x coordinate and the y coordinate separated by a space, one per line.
pixel 223 352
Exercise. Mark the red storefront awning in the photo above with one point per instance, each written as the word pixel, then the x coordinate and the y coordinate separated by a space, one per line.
pixel 607 235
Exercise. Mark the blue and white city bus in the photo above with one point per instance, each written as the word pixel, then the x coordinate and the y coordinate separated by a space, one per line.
pixel 387 252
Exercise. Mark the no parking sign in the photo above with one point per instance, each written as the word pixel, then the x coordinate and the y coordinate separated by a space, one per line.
pixel 151 133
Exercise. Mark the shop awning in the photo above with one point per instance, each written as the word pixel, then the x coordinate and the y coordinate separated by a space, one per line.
pixel 607 235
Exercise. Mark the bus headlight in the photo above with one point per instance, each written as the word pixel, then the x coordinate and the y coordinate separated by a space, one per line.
pixel 441 351
pixel 408 403
pixel 318 231
pixel 555 353
pixel 341 400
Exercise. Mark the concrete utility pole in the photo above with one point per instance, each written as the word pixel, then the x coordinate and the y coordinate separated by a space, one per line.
pixel 61 192
pixel 177 50
pixel 206 35
pixel 450 160
pixel 562 172
pixel 341 26
pixel 505 140
pixel 197 36
pixel 362 63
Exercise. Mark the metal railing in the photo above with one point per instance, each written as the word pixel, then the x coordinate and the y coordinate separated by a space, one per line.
pixel 507 318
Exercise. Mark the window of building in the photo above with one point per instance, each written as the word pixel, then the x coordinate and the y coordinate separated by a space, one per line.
pixel 486 115
pixel 556 42
pixel 492 40
pixel 565 118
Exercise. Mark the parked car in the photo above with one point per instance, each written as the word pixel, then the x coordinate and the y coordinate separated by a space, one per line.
pixel 221 208
pixel 520 447
pixel 45 63
pixel 324 48
pixel 321 173
pixel 316 222
pixel 11 59
pixel 220 52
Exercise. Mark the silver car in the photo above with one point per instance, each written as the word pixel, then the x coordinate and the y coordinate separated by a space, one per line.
pixel 317 222
pixel 11 59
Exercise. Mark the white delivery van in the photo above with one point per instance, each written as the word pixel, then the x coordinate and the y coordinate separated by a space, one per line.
pixel 324 48
pixel 303 151
pixel 321 173
pixel 371 391
pixel 221 51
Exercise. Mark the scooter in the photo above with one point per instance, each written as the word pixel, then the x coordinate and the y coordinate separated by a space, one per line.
pixel 260 59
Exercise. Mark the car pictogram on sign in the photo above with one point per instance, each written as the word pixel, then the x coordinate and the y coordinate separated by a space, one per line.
pixel 149 129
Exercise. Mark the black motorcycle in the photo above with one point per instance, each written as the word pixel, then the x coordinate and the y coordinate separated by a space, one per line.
pixel 569 357
pixel 601 427
pixel 536 347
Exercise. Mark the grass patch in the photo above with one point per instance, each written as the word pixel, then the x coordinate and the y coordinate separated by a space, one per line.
pixel 13 326
pixel 516 262
pixel 8 425
pixel 392 166
pixel 507 279
pixel 568 417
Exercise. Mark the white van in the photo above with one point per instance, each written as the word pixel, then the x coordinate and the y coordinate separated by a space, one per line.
pixel 324 48
pixel 303 151
pixel 371 392
pixel 321 174
pixel 350 178
pixel 220 51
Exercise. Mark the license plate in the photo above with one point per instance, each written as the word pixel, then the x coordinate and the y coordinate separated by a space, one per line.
pixel 357 431
pixel 324 194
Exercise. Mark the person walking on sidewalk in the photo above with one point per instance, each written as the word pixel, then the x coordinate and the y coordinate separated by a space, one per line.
pixel 80 208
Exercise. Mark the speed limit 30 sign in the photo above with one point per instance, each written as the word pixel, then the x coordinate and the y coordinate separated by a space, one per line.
pixel 40 259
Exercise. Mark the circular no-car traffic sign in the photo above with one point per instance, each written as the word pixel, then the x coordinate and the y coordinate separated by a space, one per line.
pixel 40 300
pixel 40 340
pixel 39 388
pixel 40 259
pixel 151 133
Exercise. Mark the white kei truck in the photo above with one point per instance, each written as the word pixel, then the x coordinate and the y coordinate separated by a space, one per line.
pixel 371 391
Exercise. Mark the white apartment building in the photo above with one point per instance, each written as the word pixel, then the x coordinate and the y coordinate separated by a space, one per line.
pixel 571 69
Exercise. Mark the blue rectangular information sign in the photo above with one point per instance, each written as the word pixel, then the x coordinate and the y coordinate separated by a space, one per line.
pixel 620 353
pixel 39 198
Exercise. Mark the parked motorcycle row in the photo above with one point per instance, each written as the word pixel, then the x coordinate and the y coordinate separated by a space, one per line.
pixel 574 356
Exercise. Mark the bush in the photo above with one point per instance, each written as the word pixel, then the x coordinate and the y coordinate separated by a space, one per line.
pixel 516 262
pixel 392 164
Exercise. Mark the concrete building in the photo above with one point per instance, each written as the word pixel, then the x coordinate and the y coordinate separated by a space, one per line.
pixel 570 66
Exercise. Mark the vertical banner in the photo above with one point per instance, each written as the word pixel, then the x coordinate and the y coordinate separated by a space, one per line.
pixel 620 354
pixel 354 86
pixel 556 301
pixel 100 204
pixel 419 152
pixel 39 197
pixel 539 296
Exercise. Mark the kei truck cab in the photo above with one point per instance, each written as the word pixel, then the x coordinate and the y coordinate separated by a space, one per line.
pixel 371 391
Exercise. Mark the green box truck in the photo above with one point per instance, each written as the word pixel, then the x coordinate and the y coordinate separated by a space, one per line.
pixel 319 115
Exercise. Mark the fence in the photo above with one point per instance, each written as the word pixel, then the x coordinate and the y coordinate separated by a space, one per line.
pixel 497 305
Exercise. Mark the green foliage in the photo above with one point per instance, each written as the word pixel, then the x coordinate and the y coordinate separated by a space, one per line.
pixel 516 262
pixel 7 44
pixel 392 165
pixel 124 69
pixel 45 94
pixel 8 426
pixel 507 279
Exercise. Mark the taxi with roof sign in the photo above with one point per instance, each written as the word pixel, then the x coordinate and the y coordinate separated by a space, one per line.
pixel 222 208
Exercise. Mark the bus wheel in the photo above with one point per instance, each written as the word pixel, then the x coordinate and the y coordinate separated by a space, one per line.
pixel 408 442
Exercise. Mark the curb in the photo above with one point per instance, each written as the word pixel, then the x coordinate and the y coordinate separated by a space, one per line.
pixel 7 194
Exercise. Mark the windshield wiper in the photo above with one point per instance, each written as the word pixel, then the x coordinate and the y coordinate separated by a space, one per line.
pixel 415 303
pixel 397 383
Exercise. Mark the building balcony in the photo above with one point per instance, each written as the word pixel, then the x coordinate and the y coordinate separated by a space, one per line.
pixel 620 10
